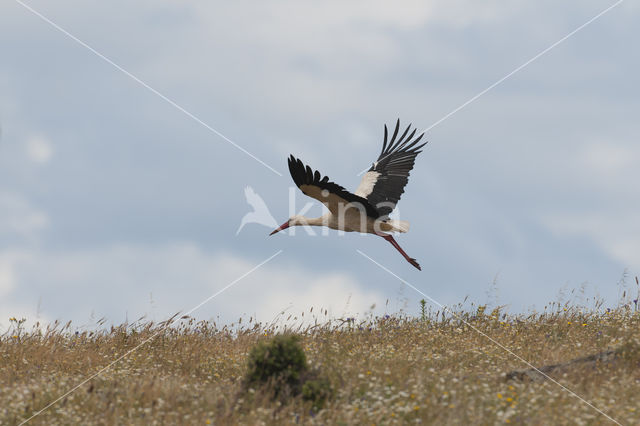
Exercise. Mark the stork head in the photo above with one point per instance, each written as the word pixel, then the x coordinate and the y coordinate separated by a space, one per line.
pixel 295 220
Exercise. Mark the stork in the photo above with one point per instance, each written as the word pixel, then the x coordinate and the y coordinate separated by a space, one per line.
pixel 367 209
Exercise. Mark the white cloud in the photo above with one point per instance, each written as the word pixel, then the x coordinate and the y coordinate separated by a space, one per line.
pixel 618 234
pixel 610 159
pixel 123 280
pixel 608 172
pixel 9 308
pixel 39 149
pixel 294 289
pixel 316 61
pixel 19 217
pixel 6 277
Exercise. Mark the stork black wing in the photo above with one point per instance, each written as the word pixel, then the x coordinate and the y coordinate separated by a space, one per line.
pixel 384 182
pixel 328 193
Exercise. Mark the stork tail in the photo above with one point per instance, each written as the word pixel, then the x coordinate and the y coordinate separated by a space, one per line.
pixel 395 226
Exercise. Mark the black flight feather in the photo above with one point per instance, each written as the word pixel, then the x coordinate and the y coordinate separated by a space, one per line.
pixel 303 175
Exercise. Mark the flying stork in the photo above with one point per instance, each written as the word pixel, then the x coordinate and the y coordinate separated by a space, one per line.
pixel 367 210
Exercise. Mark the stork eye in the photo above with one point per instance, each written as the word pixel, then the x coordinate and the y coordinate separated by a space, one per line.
pixel 325 193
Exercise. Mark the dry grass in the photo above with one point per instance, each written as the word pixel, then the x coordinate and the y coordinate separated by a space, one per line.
pixel 389 370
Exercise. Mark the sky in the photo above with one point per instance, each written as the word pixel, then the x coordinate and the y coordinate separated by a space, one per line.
pixel 123 168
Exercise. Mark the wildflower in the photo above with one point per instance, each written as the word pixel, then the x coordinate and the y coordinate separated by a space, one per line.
pixel 499 396
pixel 368 372
pixel 584 324
pixel 509 399
pixel 416 408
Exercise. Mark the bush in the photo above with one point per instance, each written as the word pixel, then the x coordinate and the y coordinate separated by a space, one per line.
pixel 281 365
pixel 280 362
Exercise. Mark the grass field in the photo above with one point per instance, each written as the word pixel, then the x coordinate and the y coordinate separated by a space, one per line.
pixel 434 369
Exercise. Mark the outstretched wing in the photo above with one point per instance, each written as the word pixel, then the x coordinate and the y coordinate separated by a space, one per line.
pixel 384 182
pixel 328 193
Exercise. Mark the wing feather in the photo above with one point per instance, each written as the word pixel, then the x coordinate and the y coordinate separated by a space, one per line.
pixel 384 182
pixel 322 189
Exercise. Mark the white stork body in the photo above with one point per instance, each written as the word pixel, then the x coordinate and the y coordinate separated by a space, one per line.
pixel 368 208
pixel 353 222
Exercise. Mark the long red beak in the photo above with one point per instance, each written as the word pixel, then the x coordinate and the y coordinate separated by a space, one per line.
pixel 281 227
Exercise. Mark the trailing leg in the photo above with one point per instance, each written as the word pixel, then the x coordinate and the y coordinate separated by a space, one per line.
pixel 393 242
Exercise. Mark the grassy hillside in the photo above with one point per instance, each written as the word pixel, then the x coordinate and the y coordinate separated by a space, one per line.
pixel 390 370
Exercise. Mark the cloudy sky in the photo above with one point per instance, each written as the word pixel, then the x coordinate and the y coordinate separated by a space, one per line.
pixel 117 203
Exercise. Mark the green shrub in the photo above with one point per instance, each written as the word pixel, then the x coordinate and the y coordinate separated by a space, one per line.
pixel 280 362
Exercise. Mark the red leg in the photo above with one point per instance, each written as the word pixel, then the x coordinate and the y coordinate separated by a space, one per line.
pixel 393 242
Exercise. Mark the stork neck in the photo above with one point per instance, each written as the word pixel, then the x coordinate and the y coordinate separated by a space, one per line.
pixel 315 221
